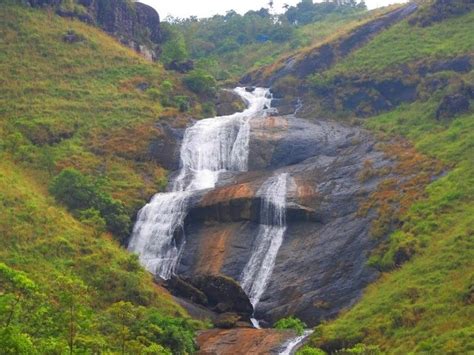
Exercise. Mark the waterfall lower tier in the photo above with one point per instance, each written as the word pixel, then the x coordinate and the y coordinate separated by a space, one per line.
pixel 209 147
pixel 294 344
pixel 257 272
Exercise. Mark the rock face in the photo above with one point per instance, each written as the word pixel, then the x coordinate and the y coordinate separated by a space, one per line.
pixel 242 341
pixel 135 24
pixel 321 266
pixel 218 293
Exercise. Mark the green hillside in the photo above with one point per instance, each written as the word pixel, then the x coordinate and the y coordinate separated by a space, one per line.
pixel 65 284
pixel 426 304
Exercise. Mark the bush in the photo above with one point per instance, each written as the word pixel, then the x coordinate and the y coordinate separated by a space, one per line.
pixel 84 198
pixel 12 341
pixel 361 349
pixel 291 323
pixel 310 351
pixel 201 82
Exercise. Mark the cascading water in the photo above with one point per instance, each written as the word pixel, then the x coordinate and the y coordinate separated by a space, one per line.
pixel 293 344
pixel 257 272
pixel 210 146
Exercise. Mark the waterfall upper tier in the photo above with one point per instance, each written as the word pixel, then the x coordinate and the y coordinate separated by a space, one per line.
pixel 210 147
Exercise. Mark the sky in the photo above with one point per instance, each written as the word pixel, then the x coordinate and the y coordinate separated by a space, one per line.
pixel 207 8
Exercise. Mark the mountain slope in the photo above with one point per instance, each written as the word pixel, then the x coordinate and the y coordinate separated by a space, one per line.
pixel 72 96
pixel 424 300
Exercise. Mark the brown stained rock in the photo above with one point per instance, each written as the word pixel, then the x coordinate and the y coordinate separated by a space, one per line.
pixel 305 192
pixel 213 250
pixel 241 341
pixel 227 193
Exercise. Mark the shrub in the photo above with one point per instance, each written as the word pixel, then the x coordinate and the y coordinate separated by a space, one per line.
pixel 361 349
pixel 291 323
pixel 73 189
pixel 182 103
pixel 201 82
pixel 83 197
pixel 310 351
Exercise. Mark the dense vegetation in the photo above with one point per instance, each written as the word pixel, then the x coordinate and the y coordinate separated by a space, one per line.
pixel 65 284
pixel 227 46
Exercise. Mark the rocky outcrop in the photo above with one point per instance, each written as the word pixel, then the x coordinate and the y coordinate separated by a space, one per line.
pixel 181 66
pixel 442 10
pixel 227 304
pixel 134 24
pixel 451 106
pixel 321 267
pixel 242 341
pixel 227 102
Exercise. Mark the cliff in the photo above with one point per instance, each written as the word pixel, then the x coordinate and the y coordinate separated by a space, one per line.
pixel 134 24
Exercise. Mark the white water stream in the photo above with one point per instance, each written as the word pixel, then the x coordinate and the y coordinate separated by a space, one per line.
pixel 293 344
pixel 257 272
pixel 210 147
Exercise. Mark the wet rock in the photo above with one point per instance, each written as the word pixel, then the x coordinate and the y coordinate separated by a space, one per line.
pixel 324 160
pixel 451 106
pixel 165 149
pixel 250 88
pixel 227 102
pixel 227 320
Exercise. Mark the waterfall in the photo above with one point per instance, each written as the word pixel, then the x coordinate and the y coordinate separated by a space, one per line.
pixel 257 272
pixel 293 344
pixel 209 147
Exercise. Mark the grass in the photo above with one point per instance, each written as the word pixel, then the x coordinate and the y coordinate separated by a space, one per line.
pixel 59 100
pixel 426 305
pixel 403 43
pixel 74 105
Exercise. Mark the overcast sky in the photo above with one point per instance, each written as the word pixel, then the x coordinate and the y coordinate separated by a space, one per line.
pixel 206 8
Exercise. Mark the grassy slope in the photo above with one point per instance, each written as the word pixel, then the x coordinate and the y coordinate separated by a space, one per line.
pixel 444 39
pixel 253 56
pixel 427 304
pixel 86 90
pixel 49 88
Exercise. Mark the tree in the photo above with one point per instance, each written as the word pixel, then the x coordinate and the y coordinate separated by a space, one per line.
pixel 16 285
pixel 80 194
pixel 123 316
pixel 73 189
pixel 291 323
pixel 201 82
pixel 72 296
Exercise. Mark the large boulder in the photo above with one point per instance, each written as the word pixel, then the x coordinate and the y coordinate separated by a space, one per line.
pixel 223 293
pixel 218 293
